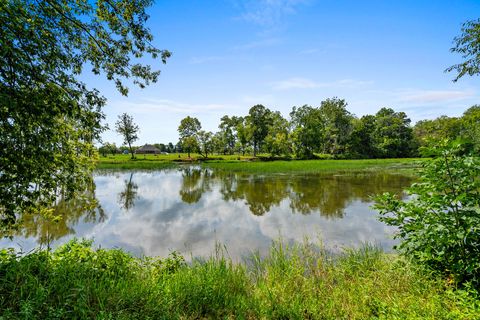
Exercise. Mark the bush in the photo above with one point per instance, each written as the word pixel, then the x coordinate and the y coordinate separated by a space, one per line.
pixel 440 224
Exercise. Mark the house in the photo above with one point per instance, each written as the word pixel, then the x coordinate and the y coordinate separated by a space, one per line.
pixel 147 149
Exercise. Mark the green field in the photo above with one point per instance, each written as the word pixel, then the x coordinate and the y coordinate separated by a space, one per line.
pixel 301 282
pixel 249 164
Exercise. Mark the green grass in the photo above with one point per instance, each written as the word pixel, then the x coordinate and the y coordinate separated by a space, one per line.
pixel 299 282
pixel 236 163
pixel 314 166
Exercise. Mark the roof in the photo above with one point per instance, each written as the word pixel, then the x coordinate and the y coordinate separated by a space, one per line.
pixel 147 148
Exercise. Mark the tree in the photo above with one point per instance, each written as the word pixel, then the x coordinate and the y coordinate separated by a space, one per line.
pixel 188 130
pixel 277 141
pixel 468 46
pixel 393 135
pixel 429 133
pixel 128 129
pixel 205 143
pixel 337 123
pixel 108 148
pixel 308 131
pixel 49 119
pixel 258 120
pixel 227 129
pixel 244 134
pixel 361 144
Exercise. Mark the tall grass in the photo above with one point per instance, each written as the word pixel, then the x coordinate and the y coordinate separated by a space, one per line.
pixel 292 282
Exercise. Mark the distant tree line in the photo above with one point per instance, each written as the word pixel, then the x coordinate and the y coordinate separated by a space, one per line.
pixel 326 131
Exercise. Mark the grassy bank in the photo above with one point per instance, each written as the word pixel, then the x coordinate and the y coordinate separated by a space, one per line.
pixel 76 281
pixel 235 163
pixel 314 166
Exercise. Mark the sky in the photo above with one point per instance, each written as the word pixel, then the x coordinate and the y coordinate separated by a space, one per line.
pixel 229 55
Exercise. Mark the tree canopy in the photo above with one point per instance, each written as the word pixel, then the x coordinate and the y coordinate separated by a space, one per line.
pixel 49 118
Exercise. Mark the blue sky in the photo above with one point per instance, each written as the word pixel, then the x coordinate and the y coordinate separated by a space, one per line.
pixel 229 55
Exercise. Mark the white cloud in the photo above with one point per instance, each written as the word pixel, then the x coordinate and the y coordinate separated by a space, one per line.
pixel 207 59
pixel 269 13
pixel 267 42
pixel 154 106
pixel 431 96
pixel 304 83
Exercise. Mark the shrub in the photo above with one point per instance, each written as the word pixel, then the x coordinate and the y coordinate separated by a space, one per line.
pixel 440 224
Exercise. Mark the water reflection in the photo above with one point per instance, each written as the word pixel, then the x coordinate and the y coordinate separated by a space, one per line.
pixel 127 197
pixel 195 181
pixel 61 222
pixel 326 194
pixel 191 208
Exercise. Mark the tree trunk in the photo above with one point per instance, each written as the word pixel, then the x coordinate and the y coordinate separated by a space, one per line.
pixel 131 151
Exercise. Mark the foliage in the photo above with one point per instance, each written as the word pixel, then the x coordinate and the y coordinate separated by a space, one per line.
pixel 337 123
pixel 205 143
pixel 188 131
pixel 258 120
pixel 244 134
pixel 128 129
pixel 291 282
pixel 392 134
pixel 49 119
pixel 471 127
pixel 227 131
pixel 468 46
pixel 308 131
pixel 440 224
pixel 108 147
pixel 277 141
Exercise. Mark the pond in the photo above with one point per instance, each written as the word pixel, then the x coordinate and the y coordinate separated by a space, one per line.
pixel 191 209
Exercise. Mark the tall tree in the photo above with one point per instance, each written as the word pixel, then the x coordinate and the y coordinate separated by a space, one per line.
pixel 258 119
pixel 205 143
pixel 244 134
pixel 48 117
pixel 277 141
pixel 188 130
pixel 393 135
pixel 128 129
pixel 338 125
pixel 308 131
pixel 227 129
pixel 362 144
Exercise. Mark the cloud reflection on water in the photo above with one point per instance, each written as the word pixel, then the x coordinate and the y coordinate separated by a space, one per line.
pixel 191 209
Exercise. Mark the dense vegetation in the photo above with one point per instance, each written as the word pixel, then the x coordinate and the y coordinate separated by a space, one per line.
pixel 440 225
pixel 298 282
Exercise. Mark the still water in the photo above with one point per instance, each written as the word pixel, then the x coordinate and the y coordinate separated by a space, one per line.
pixel 190 209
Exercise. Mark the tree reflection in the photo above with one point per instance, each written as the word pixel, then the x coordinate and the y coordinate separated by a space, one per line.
pixel 127 197
pixel 60 220
pixel 260 193
pixel 327 194
pixel 195 181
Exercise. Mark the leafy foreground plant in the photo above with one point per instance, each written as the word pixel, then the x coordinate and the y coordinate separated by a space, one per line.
pixel 440 224
pixel 296 282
